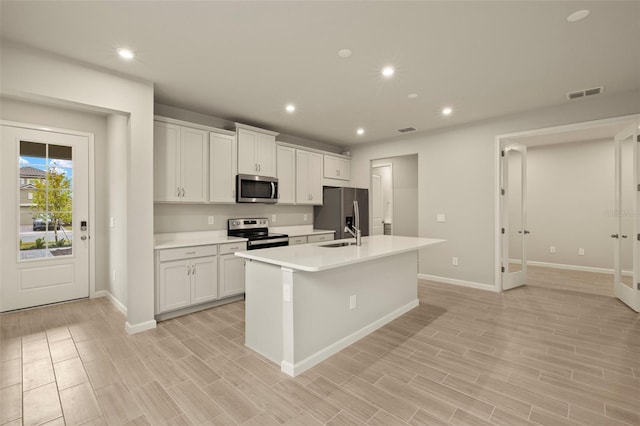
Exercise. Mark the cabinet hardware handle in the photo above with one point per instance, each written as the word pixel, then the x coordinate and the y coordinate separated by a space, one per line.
pixel 233 248
pixel 255 166
pixel 614 235
pixel 193 270
pixel 623 236
pixel 183 191
pixel 177 191
pixel 259 167
pixel 188 270
pixel 189 252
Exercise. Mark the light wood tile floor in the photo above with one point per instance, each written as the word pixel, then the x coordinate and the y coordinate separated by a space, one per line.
pixel 533 355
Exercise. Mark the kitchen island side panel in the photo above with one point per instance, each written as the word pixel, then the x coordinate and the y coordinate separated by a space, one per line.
pixel 263 309
pixel 321 301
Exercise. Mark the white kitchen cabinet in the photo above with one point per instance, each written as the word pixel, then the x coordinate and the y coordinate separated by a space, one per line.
pixel 222 168
pixel 308 177
pixel 256 153
pixel 320 237
pixel 186 276
pixel 231 275
pixel 286 167
pixel 180 163
pixel 337 168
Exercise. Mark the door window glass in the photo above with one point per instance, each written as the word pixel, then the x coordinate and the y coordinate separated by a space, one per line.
pixel 46 200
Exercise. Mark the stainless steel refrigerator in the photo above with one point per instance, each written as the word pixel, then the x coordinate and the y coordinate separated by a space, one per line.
pixel 336 210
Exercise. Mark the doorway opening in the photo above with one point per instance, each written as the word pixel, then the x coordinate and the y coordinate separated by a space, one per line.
pixel 394 196
pixel 567 208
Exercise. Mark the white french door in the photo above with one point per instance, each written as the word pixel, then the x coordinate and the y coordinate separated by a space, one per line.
pixel 627 209
pixel 44 231
pixel 514 216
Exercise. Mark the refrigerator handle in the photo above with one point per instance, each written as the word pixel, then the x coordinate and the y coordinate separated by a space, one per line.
pixel 356 214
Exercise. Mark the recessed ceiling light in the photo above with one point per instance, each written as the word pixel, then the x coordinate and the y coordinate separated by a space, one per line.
pixel 126 54
pixel 578 15
pixel 447 111
pixel 290 108
pixel 360 131
pixel 412 95
pixel 388 71
pixel 345 53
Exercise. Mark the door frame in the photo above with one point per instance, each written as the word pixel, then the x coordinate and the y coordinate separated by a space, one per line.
pixel 393 203
pixel 504 139
pixel 92 194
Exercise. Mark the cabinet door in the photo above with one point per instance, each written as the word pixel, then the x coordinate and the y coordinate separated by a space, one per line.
pixel 174 285
pixel 337 168
pixel 319 237
pixel 315 178
pixel 303 196
pixel 286 165
pixel 166 162
pixel 231 275
pixel 222 168
pixel 194 162
pixel 247 141
pixel 204 279
pixel 266 155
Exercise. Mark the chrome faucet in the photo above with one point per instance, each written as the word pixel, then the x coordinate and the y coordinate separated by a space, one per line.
pixel 357 235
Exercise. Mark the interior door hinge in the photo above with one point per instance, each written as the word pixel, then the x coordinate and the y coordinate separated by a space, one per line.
pixel 638 136
pixel 638 187
pixel 502 268
pixel 502 190
pixel 638 286
pixel 501 153
pixel 638 237
pixel 503 230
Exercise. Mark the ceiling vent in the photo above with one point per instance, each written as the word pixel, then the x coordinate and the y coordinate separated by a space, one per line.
pixel 407 129
pixel 586 92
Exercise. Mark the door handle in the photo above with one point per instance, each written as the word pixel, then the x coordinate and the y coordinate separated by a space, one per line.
pixel 614 236
pixel 84 237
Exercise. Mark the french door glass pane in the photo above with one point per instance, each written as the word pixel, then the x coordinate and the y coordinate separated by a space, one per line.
pixel 46 200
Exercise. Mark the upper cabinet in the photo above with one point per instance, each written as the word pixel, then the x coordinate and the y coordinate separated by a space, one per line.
pixel 223 154
pixel 337 168
pixel 256 151
pixel 308 177
pixel 180 156
pixel 286 174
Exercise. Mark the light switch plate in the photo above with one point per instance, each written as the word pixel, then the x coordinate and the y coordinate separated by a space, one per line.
pixel 580 252
pixel 112 222
pixel 441 218
pixel 210 220
pixel 552 249
pixel 454 261
pixel 352 301
pixel 273 218
pixel 305 218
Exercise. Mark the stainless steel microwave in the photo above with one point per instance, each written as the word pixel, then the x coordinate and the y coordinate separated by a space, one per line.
pixel 256 189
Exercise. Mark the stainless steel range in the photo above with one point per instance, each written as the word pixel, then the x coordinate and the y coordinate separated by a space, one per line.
pixel 257 231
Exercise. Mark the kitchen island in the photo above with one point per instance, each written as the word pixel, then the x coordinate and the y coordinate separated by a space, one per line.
pixel 305 303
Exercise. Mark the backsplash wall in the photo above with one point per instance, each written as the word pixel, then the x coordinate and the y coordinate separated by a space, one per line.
pixel 194 217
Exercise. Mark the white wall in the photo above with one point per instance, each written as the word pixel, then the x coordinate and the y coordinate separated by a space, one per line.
pixel 456 172
pixel 54 116
pixel 34 74
pixel 570 194
pixel 118 130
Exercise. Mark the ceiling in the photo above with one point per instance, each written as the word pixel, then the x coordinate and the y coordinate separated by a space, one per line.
pixel 245 61
pixel 584 134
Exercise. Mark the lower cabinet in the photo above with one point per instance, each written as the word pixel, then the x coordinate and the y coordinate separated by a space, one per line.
pixel 320 237
pixel 189 276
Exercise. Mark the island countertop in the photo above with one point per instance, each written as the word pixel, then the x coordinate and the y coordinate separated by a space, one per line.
pixel 315 257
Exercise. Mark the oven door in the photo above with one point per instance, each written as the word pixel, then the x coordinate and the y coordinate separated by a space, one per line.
pixel 267 243
pixel 256 189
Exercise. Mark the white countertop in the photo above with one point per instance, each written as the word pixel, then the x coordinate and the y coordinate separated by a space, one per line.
pixel 314 257
pixel 298 230
pixel 189 239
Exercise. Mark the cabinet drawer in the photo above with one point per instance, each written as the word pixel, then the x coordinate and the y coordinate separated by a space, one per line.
pixel 187 252
pixel 320 237
pixel 297 240
pixel 232 247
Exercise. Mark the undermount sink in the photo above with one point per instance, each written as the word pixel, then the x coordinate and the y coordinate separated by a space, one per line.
pixel 345 244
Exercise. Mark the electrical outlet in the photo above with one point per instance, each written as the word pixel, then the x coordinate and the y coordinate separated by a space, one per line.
pixel 304 218
pixel 580 252
pixel 454 261
pixel 440 217
pixel 210 220
pixel 552 249
pixel 273 218
pixel 114 275
pixel 112 222
pixel 352 301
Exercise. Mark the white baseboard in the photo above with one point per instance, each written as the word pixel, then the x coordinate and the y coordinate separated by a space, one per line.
pixel 99 293
pixel 300 367
pixel 142 326
pixel 470 284
pixel 571 267
pixel 118 304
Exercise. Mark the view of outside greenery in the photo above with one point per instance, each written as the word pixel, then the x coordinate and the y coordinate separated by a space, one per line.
pixel 53 195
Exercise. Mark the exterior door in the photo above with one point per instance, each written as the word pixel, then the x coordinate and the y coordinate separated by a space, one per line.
pixel 514 216
pixel 377 227
pixel 626 254
pixel 45 229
